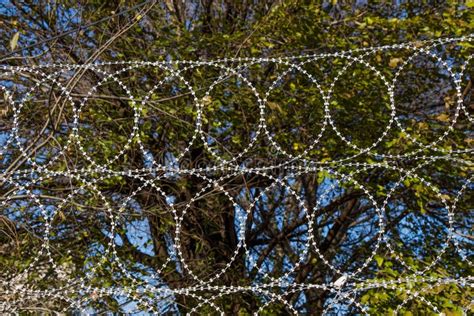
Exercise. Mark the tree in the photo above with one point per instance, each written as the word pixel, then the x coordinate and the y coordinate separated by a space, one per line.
pixel 378 219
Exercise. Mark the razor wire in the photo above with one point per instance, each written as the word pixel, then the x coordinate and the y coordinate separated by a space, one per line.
pixel 78 291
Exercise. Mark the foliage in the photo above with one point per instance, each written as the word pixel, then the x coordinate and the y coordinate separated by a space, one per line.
pixel 415 193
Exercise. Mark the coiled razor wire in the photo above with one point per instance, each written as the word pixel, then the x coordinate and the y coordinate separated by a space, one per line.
pixel 78 291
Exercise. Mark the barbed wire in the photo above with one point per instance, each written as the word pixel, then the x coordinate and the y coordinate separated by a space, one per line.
pixel 78 291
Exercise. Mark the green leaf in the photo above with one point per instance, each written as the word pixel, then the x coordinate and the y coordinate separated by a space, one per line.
pixel 420 205
pixel 379 260
pixel 14 41
pixel 275 106
pixel 394 62
pixel 322 175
